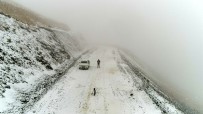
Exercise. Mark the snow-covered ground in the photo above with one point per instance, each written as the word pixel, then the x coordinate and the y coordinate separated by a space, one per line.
pixel 118 91
pixel 32 59
pixel 166 103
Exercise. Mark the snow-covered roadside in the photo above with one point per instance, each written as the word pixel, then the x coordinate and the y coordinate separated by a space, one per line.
pixel 116 91
pixel 31 60
pixel 158 97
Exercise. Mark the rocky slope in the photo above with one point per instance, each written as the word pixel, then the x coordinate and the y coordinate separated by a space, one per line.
pixel 31 59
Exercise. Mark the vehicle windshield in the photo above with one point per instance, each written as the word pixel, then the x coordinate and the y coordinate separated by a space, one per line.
pixel 83 61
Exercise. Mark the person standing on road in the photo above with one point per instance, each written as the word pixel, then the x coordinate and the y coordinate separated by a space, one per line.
pixel 98 63
pixel 94 91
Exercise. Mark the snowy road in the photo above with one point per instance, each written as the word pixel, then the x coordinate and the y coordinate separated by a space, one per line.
pixel 73 92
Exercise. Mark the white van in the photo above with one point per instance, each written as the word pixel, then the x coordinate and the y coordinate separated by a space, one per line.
pixel 84 65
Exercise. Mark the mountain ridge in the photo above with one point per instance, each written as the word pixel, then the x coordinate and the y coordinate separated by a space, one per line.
pixel 20 13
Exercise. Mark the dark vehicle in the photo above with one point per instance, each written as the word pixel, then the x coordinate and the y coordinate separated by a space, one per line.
pixel 84 65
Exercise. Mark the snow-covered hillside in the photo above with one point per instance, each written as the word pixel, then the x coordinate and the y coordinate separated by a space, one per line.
pixel 70 41
pixel 160 97
pixel 30 58
pixel 27 16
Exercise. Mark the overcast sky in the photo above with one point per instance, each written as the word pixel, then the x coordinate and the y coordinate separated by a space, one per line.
pixel 95 19
pixel 166 35
pixel 111 18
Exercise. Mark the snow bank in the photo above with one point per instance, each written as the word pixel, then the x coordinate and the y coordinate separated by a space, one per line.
pixel 167 104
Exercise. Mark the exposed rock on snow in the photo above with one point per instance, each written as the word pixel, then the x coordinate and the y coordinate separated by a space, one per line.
pixel 30 57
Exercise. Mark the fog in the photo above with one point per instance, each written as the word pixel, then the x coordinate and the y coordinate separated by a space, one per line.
pixel 165 35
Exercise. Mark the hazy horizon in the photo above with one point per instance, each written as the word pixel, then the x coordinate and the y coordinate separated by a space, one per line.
pixel 167 36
